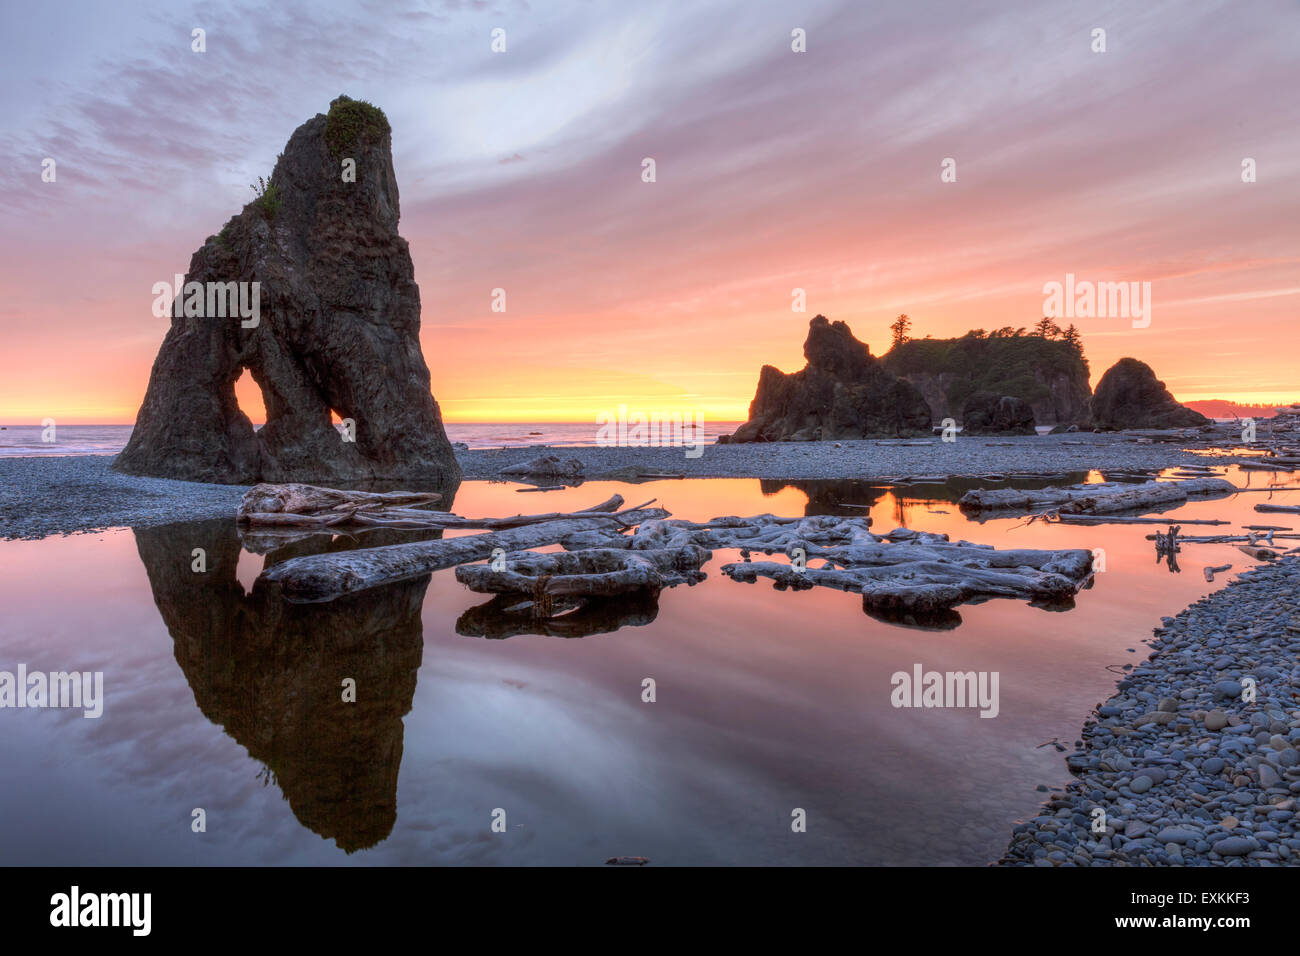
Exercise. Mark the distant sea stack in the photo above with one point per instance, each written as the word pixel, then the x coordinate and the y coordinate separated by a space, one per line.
pixel 1050 375
pixel 1130 396
pixel 843 392
pixel 337 329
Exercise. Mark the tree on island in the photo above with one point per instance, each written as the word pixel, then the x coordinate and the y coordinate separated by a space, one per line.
pixel 902 325
pixel 1047 329
pixel 1072 338
pixel 1008 361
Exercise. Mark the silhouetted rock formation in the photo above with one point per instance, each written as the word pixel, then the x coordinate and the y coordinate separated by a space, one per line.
pixel 843 392
pixel 270 674
pixel 986 413
pixel 1130 396
pixel 1049 374
pixel 337 330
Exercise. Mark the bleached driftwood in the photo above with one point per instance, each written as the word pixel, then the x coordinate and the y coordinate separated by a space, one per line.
pixel 1227 538
pixel 324 577
pixel 1259 554
pixel 592 571
pixel 1124 519
pixel 929 576
pixel 550 466
pixel 293 503
pixel 1289 509
pixel 905 570
pixel 299 506
pixel 1219 569
pixel 1095 499
pixel 768 533
pixel 397 517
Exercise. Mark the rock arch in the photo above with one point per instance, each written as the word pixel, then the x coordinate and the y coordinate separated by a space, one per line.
pixel 337 328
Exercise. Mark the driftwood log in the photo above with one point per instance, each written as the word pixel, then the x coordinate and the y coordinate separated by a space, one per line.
pixel 298 505
pixel 1227 538
pixel 1258 553
pixel 546 466
pixel 1210 572
pixel 594 572
pixel 1124 519
pixel 927 576
pixel 324 577
pixel 1095 499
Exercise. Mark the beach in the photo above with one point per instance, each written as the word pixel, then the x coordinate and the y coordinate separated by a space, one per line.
pixel 1176 768
pixel 67 494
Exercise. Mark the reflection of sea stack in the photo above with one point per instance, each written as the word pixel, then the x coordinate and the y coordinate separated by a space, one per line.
pixel 337 330
pixel 843 392
pixel 270 673
pixel 830 496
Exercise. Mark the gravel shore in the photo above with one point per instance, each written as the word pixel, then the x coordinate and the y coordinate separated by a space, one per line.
pixel 1185 770
pixel 65 495
pixel 53 495
pixel 1039 454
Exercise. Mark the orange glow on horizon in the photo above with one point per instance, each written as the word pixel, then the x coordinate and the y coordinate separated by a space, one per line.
pixel 560 410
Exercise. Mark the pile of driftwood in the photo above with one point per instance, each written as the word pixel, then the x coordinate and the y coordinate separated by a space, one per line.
pixel 1102 498
pixel 926 573
pixel 610 551
pixel 307 506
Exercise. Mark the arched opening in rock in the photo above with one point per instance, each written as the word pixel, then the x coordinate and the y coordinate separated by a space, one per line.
pixel 249 397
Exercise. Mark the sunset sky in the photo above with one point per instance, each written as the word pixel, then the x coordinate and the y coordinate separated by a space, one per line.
pixel 775 170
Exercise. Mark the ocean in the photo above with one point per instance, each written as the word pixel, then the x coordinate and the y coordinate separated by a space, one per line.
pixel 25 441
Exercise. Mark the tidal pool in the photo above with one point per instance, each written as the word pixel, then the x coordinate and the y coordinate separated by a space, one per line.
pixel 767 702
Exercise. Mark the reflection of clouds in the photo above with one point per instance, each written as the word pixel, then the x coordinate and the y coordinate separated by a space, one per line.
pixel 766 701
pixel 587 768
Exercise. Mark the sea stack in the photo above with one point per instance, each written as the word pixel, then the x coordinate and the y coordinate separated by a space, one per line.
pixel 1047 372
pixel 987 413
pixel 843 392
pixel 1130 396
pixel 336 330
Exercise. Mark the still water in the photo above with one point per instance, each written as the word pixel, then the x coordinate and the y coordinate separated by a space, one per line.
pixel 767 701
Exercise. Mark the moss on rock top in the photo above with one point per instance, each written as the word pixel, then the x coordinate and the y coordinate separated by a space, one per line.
pixel 353 122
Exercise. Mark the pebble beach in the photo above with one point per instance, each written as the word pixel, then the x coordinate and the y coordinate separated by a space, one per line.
pixel 1184 766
